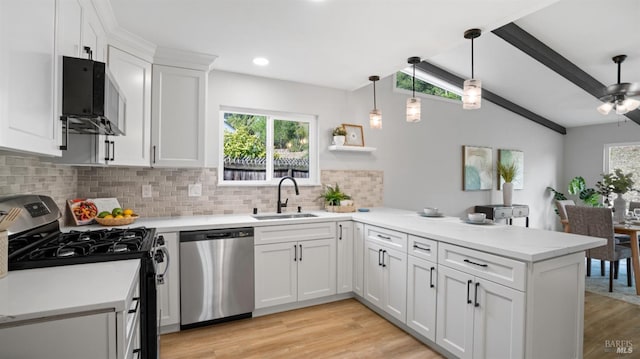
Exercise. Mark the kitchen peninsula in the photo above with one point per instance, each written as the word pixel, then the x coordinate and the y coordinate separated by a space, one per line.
pixel 495 290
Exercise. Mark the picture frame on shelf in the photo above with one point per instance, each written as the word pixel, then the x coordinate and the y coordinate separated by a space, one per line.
pixel 355 135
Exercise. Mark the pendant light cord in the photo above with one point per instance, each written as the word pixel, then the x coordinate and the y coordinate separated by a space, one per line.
pixel 374 96
pixel 414 81
pixel 472 76
pixel 619 70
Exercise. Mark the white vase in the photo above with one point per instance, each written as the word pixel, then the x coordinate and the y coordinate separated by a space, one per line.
pixel 339 140
pixel 619 208
pixel 507 193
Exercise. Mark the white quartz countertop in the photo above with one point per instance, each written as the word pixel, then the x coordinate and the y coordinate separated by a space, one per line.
pixel 46 292
pixel 525 244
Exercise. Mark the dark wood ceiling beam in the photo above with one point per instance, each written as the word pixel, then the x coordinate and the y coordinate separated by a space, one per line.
pixel 492 97
pixel 525 42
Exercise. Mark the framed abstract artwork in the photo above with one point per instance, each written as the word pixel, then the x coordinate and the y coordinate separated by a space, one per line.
pixel 507 157
pixel 477 168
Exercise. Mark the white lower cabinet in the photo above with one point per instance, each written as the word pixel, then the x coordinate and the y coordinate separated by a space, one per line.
pixel 385 279
pixel 358 258
pixel 421 296
pixel 168 303
pixel 345 257
pixel 294 271
pixel 477 318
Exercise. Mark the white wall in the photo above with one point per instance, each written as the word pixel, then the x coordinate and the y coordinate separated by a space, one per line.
pixel 584 148
pixel 422 161
pixel 237 90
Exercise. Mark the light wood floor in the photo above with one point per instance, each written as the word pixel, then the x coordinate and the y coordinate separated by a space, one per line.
pixel 348 329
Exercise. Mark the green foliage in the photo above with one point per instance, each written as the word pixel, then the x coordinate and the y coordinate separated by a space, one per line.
pixel 333 195
pixel 616 182
pixel 404 81
pixel 243 144
pixel 507 171
pixel 291 135
pixel 578 187
pixel 339 131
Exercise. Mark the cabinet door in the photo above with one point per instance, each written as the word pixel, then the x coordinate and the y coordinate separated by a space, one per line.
pixel 316 268
pixel 498 321
pixel 358 258
pixel 421 296
pixel 69 28
pixel 454 319
pixel 169 292
pixel 178 117
pixel 276 274
pixel 28 76
pixel 394 272
pixel 373 281
pixel 133 75
pixel 89 336
pixel 345 256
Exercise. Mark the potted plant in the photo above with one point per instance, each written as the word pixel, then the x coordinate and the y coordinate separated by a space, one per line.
pixel 508 172
pixel 333 197
pixel 618 183
pixel 339 135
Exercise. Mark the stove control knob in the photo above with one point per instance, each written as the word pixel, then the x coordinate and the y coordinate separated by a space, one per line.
pixel 158 256
pixel 160 240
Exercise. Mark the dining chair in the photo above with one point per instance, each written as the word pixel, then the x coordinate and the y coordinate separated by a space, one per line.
pixel 598 222
pixel 560 205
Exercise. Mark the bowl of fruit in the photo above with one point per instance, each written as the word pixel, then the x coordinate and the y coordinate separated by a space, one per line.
pixel 117 217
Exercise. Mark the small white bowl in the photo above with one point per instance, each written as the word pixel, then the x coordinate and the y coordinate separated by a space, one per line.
pixel 430 211
pixel 477 217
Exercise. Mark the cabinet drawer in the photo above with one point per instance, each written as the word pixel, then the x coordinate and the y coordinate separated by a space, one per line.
pixel 294 232
pixel 501 213
pixel 423 248
pixel 386 237
pixel 521 211
pixel 501 270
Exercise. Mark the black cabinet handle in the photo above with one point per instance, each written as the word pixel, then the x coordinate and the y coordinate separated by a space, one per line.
pixel 65 127
pixel 295 255
pixel 340 237
pixel 135 309
pixel 301 253
pixel 137 352
pixel 468 298
pixel 477 264
pixel 113 150
pixel 154 154
pixel 383 252
pixel 475 299
pixel 422 248
pixel 379 261
pixel 431 277
pixel 106 150
pixel 384 237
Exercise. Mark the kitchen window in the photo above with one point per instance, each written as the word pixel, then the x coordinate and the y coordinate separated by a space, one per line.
pixel 625 156
pixel 261 147
pixel 427 85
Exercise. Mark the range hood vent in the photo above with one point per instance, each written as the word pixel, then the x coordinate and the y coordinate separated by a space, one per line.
pixel 90 126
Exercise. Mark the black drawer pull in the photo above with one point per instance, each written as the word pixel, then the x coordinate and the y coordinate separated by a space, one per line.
pixel 384 237
pixel 422 248
pixel 477 264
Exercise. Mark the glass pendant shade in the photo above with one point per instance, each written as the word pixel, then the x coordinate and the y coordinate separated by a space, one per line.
pixel 605 108
pixel 472 94
pixel 631 104
pixel 375 119
pixel 413 109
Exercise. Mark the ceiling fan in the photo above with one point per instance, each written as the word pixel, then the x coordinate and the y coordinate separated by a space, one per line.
pixel 617 96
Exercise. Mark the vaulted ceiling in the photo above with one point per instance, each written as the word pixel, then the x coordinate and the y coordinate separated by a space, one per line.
pixel 339 43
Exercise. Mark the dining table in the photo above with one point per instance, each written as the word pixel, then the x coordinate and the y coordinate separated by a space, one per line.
pixel 630 229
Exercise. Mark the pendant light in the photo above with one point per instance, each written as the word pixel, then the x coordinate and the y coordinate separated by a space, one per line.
pixel 375 116
pixel 472 90
pixel 413 103
pixel 617 95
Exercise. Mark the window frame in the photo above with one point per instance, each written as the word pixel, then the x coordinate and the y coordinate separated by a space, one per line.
pixel 314 153
pixel 607 168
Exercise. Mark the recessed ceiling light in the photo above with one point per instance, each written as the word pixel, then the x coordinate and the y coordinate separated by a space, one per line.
pixel 260 61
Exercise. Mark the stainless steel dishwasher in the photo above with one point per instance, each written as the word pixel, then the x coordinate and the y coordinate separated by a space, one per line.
pixel 216 276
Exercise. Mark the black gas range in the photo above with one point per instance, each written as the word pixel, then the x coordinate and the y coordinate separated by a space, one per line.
pixel 36 241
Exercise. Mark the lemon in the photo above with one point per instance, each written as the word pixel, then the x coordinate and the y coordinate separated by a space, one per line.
pixel 108 216
pixel 119 216
pixel 127 215
pixel 128 211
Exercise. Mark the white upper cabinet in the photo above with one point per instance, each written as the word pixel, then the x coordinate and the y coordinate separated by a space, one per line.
pixel 28 77
pixel 133 75
pixel 178 117
pixel 69 29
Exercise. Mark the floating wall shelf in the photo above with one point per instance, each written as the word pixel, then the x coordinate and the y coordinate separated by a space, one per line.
pixel 351 148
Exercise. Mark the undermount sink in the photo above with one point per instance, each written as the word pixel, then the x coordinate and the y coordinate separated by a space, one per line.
pixel 284 216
